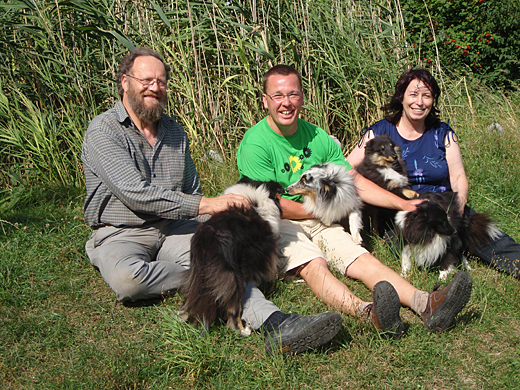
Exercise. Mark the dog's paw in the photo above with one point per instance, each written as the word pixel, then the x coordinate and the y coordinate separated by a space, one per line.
pixel 246 332
pixel 406 261
pixel 405 270
pixel 465 263
pixel 357 238
pixel 443 275
pixel 410 194
pixel 182 315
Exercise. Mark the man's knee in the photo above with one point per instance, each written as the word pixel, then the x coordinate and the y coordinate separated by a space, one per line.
pixel 127 285
pixel 313 267
pixel 364 264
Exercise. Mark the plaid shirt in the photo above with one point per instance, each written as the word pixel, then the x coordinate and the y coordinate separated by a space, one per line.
pixel 128 181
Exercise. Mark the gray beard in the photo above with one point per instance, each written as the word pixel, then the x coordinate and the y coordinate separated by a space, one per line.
pixel 145 115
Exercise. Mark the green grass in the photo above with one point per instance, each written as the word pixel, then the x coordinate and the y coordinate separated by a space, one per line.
pixel 60 326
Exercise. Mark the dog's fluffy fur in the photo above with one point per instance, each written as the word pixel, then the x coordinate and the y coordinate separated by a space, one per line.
pixel 437 234
pixel 329 194
pixel 384 165
pixel 231 249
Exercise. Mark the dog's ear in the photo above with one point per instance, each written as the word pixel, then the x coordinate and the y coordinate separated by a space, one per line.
pixel 453 200
pixel 435 214
pixel 423 208
pixel 328 188
pixel 245 180
pixel 274 188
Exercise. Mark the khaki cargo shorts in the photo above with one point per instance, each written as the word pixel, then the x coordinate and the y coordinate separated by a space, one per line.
pixel 304 240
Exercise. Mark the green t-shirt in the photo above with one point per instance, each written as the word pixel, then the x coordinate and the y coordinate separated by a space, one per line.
pixel 265 155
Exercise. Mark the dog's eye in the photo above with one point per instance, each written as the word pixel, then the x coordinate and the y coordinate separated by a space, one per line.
pixel 383 147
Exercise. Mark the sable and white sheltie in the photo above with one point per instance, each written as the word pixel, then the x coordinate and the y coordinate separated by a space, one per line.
pixel 231 249
pixel 329 194
pixel 384 165
pixel 437 234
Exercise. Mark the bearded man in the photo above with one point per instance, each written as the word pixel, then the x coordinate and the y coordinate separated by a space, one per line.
pixel 143 192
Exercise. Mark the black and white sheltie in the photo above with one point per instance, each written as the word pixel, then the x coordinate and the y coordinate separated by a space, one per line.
pixel 384 165
pixel 437 234
pixel 231 249
pixel 329 194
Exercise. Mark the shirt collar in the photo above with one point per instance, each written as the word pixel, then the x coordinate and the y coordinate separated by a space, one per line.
pixel 122 114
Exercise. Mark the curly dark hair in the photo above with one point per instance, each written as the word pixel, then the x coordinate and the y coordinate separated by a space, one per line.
pixel 394 109
pixel 284 70
pixel 128 61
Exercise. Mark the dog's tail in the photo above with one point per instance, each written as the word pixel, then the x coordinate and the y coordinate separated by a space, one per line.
pixel 214 285
pixel 216 296
pixel 480 231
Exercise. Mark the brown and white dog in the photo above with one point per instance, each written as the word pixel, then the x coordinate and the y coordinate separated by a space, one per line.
pixel 384 165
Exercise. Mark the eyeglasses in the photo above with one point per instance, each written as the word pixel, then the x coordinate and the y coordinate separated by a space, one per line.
pixel 278 97
pixel 146 83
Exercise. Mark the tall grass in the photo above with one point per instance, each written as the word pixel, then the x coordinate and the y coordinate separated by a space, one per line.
pixel 59 62
pixel 490 153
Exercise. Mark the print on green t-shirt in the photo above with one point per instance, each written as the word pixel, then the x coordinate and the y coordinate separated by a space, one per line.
pixel 265 155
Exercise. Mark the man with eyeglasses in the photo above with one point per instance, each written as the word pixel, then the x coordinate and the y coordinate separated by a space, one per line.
pixel 143 193
pixel 281 147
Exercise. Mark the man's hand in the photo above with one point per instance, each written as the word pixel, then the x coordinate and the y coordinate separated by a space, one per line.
pixel 221 203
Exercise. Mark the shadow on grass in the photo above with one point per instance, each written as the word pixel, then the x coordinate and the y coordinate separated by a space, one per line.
pixel 144 302
pixel 468 317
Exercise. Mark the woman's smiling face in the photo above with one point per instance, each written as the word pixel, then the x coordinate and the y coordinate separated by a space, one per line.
pixel 417 101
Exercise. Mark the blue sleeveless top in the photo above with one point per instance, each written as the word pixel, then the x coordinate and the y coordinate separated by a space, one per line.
pixel 425 157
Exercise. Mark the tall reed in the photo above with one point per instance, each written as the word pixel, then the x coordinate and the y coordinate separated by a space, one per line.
pixel 59 61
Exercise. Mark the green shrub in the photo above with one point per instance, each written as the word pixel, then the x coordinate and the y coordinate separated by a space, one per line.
pixel 480 37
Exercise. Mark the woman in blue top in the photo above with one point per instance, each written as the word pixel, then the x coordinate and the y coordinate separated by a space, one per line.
pixel 432 154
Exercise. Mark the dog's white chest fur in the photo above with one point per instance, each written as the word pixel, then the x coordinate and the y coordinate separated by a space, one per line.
pixel 425 255
pixel 428 254
pixel 394 177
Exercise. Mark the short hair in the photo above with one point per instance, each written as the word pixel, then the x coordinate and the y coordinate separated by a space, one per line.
pixel 394 109
pixel 283 70
pixel 128 61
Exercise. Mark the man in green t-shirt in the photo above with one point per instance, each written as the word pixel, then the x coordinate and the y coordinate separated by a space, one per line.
pixel 281 147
